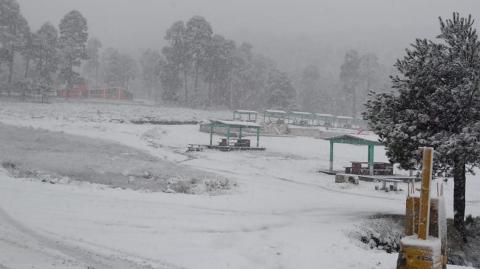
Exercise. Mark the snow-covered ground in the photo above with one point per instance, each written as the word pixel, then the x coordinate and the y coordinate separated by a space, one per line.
pixel 283 214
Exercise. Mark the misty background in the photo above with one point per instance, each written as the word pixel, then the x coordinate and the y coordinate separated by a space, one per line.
pixel 307 41
pixel 291 32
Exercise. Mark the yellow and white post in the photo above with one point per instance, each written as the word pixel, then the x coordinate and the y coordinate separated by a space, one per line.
pixel 421 251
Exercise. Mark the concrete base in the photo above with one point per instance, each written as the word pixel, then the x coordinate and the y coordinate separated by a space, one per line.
pixel 420 254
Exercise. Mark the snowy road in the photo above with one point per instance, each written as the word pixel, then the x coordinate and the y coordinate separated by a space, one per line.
pixel 49 252
pixel 283 214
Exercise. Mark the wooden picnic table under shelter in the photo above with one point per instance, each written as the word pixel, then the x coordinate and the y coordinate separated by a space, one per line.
pixel 241 127
pixel 369 141
pixel 245 115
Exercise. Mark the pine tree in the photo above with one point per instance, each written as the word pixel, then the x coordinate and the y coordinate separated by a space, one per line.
pixel 46 55
pixel 218 67
pixel 118 69
pixel 198 33
pixel 350 78
pixel 177 55
pixel 436 103
pixel 170 79
pixel 92 65
pixel 72 43
pixel 150 66
pixel 310 94
pixel 280 92
pixel 14 32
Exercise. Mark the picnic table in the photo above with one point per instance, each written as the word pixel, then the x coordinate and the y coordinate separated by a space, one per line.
pixel 363 168
pixel 194 147
pixel 392 184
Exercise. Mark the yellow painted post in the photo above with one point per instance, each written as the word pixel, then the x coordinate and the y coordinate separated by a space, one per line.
pixel 423 224
pixel 410 216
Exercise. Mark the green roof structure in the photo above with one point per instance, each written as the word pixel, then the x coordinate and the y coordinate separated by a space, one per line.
pixel 250 115
pixel 229 125
pixel 370 141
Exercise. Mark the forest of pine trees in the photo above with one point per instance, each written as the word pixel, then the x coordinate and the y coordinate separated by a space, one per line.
pixel 196 67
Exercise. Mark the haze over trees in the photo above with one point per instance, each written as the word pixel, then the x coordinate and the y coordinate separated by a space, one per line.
pixel 435 102
pixel 197 67
pixel 202 68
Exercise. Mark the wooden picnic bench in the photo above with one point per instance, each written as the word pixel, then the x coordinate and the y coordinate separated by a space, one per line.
pixel 195 147
pixel 392 184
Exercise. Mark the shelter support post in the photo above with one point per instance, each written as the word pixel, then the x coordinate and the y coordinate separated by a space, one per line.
pixel 240 133
pixel 371 161
pixel 258 137
pixel 331 156
pixel 228 136
pixel 211 134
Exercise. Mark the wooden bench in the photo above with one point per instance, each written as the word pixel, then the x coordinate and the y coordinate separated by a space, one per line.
pixel 392 184
pixel 194 148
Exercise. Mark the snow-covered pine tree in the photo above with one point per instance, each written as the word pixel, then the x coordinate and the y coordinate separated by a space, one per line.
pixel 45 55
pixel 72 43
pixel 280 92
pixel 350 78
pixel 14 30
pixel 118 69
pixel 92 66
pixel 199 34
pixel 177 58
pixel 150 66
pixel 436 103
pixel 218 67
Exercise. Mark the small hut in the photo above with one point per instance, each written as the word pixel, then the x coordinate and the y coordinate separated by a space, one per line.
pixel 245 115
pixel 235 137
pixel 301 118
pixel 344 122
pixel 370 141
pixel 276 116
pixel 326 120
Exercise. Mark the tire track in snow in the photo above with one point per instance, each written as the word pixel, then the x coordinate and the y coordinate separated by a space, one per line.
pixel 82 256
pixel 226 172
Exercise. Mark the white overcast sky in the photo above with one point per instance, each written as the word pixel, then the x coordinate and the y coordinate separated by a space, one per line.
pixel 275 27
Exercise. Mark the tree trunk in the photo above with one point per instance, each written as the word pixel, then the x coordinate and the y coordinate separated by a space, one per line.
pixel 185 82
pixel 209 99
pixel 27 67
pixel 96 76
pixel 11 62
pixel 354 103
pixel 459 196
pixel 196 80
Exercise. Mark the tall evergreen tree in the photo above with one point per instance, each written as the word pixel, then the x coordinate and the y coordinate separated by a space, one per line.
pixel 310 94
pixel 72 43
pixel 118 69
pixel 177 54
pixel 150 65
pixel 436 103
pixel 14 32
pixel 199 33
pixel 170 80
pixel 46 55
pixel 219 64
pixel 350 78
pixel 280 91
pixel 92 66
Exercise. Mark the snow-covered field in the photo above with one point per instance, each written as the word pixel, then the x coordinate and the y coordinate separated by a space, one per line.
pixel 282 214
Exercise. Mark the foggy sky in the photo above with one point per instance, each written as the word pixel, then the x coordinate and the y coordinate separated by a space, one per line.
pixel 297 30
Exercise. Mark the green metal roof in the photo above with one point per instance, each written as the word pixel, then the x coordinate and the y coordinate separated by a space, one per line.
pixel 234 124
pixel 356 140
pixel 246 112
